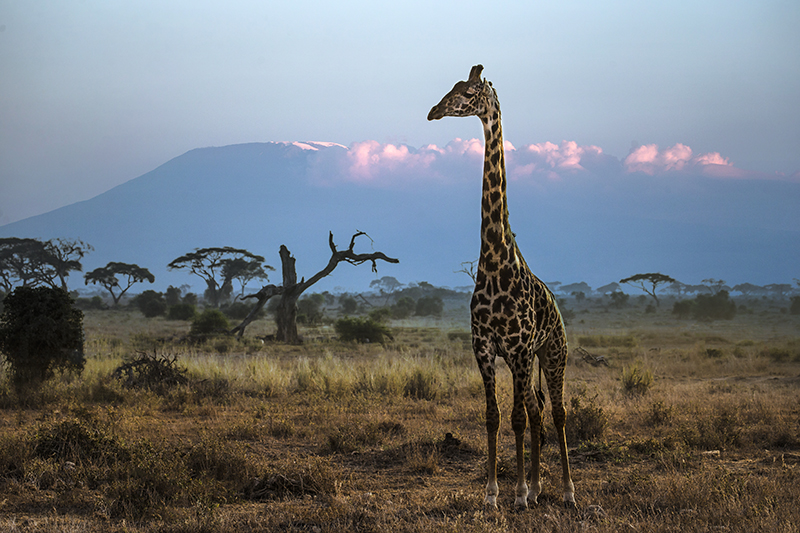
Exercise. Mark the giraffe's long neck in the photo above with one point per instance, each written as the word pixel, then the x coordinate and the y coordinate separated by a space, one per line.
pixel 497 241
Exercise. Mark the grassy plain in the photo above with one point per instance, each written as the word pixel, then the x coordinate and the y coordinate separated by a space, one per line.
pixel 329 437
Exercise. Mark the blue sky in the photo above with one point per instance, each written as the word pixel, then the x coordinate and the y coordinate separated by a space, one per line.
pixel 94 93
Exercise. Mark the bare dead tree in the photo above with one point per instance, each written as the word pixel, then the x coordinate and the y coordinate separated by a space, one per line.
pixel 468 268
pixel 286 312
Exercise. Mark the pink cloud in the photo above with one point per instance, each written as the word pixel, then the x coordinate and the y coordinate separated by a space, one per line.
pixel 387 164
pixel 651 160
pixel 549 159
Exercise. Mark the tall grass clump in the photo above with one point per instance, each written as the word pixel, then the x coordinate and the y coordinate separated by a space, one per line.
pixel 636 380
pixel 422 384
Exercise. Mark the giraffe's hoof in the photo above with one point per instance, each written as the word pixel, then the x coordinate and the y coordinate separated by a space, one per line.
pixel 569 503
pixel 490 503
pixel 520 504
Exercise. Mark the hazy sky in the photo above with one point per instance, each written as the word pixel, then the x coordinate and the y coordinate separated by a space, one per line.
pixel 96 92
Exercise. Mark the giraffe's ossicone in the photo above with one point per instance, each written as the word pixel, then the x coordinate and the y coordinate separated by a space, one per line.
pixel 513 314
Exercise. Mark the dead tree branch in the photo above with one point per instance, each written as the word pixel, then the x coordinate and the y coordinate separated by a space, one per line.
pixel 266 292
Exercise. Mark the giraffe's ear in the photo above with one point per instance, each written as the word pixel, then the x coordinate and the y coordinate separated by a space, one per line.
pixel 475 73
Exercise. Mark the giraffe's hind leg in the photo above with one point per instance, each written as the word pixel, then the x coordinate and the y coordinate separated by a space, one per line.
pixel 554 374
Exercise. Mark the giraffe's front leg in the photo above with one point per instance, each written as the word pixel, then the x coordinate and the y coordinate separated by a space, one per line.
pixel 534 408
pixel 519 422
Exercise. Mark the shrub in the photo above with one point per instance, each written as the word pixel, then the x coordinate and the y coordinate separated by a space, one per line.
pixel 361 330
pixel 209 322
pixel 40 332
pixel 684 308
pixel 309 309
pixel 93 303
pixel 181 312
pixel 237 310
pixel 76 441
pixel 380 315
pixel 349 304
pixel 636 380
pixel 429 306
pixel 795 307
pixel 151 304
pixel 718 306
pixel 585 419
pixel 403 307
pixel 619 299
pixel 172 296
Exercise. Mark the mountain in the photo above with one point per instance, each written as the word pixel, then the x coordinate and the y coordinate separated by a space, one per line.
pixel 591 227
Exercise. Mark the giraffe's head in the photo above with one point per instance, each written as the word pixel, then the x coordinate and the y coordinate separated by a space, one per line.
pixel 466 98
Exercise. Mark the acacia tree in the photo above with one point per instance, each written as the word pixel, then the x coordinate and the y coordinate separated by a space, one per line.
pixel 216 267
pixel 715 285
pixel 286 311
pixel 653 279
pixel 243 271
pixel 107 277
pixel 65 256
pixel 32 263
pixel 18 260
pixel 748 289
pixel 387 286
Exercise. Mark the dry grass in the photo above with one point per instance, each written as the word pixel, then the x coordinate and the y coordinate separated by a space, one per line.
pixel 335 437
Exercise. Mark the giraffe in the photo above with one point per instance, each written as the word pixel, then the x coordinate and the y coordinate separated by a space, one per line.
pixel 513 313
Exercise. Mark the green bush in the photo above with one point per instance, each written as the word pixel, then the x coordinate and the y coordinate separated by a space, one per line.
pixel 684 308
pixel 40 332
pixel 618 299
pixel 93 303
pixel 381 315
pixel 713 307
pixel 309 309
pixel 429 306
pixel 181 312
pixel 404 307
pixel 151 304
pixel 795 308
pixel 172 296
pixel 706 307
pixel 361 330
pixel 349 304
pixel 237 310
pixel 209 322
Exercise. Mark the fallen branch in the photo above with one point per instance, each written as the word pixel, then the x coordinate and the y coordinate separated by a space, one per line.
pixel 266 292
pixel 592 359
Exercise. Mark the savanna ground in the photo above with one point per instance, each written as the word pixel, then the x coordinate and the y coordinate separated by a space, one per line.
pixel 328 437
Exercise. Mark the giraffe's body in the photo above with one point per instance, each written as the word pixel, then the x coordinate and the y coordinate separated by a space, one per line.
pixel 514 315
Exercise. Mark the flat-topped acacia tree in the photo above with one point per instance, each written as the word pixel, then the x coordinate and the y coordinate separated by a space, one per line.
pixel 107 277
pixel 290 291
pixel 653 279
pixel 219 266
